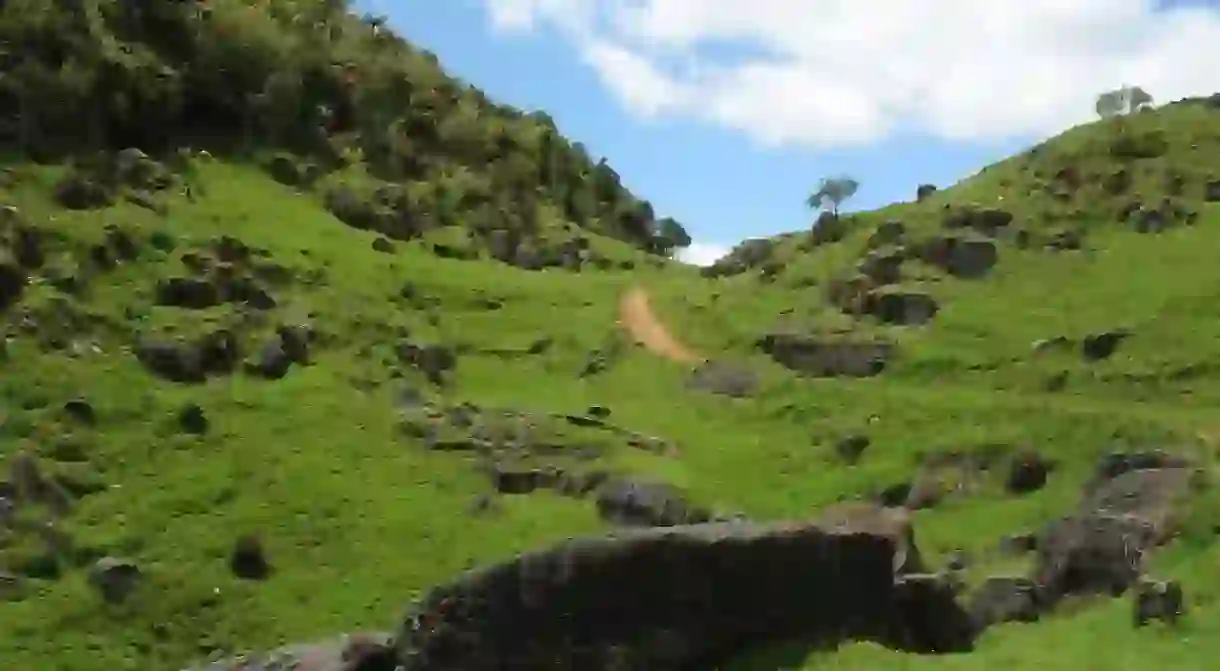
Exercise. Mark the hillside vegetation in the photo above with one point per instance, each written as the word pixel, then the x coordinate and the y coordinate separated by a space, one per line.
pixel 280 354
pixel 326 100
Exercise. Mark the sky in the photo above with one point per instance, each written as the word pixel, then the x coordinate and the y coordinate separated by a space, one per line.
pixel 725 114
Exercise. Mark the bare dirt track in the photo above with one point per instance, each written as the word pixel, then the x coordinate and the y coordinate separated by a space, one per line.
pixel 637 317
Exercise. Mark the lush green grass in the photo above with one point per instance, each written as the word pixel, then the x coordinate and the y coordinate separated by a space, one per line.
pixel 358 519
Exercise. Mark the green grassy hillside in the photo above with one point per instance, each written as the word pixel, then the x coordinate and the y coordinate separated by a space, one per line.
pixel 204 352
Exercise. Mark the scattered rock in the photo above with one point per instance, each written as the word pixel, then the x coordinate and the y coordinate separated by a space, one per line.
pixel 1049 345
pixel 188 292
pixel 1158 600
pixel 907 308
pixel 987 221
pixel 1018 544
pixel 1117 183
pixel 882 266
pixel 219 352
pixel 12 281
pixel 26 246
pixel 581 484
pixel 1139 145
pixel 383 245
pixel 820 356
pixel 246 290
pixel 12 588
pixel 1065 240
pixel 272 361
pixel 502 244
pixel 124 245
pixel 890 232
pixel 115 578
pixel 851 448
pixel 30 485
pixel 1004 599
pixel 189 362
pixel 631 502
pixel 1027 472
pixel 1098 346
pixel 895 495
pixel 527 257
pixel 297 340
pixel 541 345
pixel 829 228
pixel 77 192
pixel 927 491
pixel 583 420
pixel 349 207
pixel 522 479
pixel 724 378
pixel 173 361
pixel 290 171
pixel 192 419
pixel 962 257
pixel 1211 191
pixel 923 191
pixel 80 411
pixel 249 560
pixel 950 473
pixel 434 361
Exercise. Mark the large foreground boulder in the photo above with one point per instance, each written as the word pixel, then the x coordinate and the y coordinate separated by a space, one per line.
pixel 683 597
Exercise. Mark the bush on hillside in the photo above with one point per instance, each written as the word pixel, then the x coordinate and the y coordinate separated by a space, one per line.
pixel 306 77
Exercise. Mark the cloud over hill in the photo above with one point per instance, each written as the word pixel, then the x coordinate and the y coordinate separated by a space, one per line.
pixel 840 73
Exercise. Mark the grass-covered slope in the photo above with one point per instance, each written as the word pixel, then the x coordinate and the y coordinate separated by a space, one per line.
pixel 211 352
pixel 1005 360
pixel 324 464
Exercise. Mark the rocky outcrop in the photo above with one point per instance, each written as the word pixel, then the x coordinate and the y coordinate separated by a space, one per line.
pixel 1127 511
pixel 826 356
pixel 724 378
pixel 987 221
pixel 1130 506
pixel 684 598
pixel 901 307
pixel 962 256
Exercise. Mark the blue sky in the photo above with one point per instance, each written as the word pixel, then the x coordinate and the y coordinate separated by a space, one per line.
pixel 725 114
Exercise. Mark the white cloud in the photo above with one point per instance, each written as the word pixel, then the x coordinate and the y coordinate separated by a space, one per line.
pixel 575 17
pixel 848 72
pixel 650 93
pixel 702 254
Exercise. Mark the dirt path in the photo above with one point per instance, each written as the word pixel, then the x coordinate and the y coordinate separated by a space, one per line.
pixel 636 316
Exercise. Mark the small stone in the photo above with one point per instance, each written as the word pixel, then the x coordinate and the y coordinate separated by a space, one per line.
pixel 115 578
pixel 192 419
pixel 80 411
pixel 851 448
pixel 249 559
